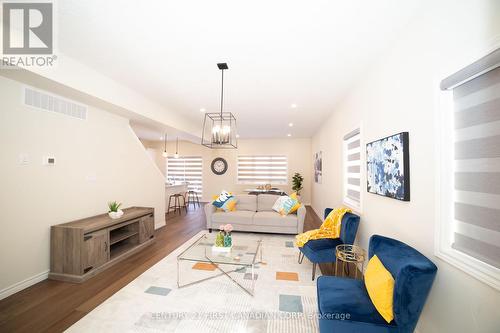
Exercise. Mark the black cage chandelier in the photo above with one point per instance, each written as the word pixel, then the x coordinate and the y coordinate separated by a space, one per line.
pixel 219 128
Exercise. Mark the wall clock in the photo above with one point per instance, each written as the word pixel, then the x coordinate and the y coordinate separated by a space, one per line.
pixel 219 166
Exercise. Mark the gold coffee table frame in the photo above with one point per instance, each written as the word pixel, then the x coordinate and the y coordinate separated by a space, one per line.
pixel 350 254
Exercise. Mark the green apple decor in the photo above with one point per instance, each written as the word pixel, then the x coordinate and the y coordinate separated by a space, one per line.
pixel 219 240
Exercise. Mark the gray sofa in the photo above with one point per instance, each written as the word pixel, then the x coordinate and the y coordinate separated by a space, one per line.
pixel 255 213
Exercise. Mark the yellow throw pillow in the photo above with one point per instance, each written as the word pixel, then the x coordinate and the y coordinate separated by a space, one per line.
pixel 380 286
pixel 230 205
pixel 297 205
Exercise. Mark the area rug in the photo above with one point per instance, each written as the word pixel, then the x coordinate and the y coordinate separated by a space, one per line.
pixel 284 301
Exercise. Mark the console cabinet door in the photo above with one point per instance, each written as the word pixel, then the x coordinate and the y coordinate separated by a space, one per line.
pixel 95 250
pixel 147 228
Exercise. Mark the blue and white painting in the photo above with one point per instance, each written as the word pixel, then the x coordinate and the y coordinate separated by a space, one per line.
pixel 388 171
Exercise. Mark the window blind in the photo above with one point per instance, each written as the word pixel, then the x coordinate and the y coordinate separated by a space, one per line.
pixel 477 168
pixel 352 169
pixel 186 169
pixel 260 169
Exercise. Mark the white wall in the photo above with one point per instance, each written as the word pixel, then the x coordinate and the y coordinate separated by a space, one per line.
pixel 298 152
pixel 399 94
pixel 97 160
pixel 70 73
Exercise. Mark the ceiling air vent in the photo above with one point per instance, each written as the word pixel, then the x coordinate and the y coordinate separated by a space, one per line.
pixel 47 102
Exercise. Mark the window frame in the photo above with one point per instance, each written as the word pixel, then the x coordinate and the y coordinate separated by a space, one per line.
pixel 239 182
pixel 345 199
pixel 444 193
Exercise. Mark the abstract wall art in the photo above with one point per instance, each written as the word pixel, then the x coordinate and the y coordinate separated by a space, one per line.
pixel 318 167
pixel 388 167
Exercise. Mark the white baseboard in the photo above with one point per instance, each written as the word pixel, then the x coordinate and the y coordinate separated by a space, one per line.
pixel 23 284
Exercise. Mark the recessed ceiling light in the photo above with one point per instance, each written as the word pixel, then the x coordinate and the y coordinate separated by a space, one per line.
pixel 288 134
pixel 161 138
pixel 293 106
pixel 237 135
pixel 202 110
pixel 290 124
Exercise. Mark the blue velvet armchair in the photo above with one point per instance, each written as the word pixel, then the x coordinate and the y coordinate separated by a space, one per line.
pixel 323 250
pixel 344 304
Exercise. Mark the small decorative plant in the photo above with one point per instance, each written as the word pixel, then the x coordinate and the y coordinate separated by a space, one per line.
pixel 224 239
pixel 228 228
pixel 114 206
pixel 228 241
pixel 297 180
pixel 114 210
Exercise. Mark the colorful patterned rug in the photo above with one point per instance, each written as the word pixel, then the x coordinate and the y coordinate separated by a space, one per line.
pixel 284 301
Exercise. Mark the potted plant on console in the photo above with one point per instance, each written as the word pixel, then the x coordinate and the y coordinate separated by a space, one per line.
pixel 114 210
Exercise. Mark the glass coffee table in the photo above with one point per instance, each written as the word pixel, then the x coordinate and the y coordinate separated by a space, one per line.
pixel 246 252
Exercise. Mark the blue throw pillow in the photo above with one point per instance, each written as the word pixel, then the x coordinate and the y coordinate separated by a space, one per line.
pixel 221 200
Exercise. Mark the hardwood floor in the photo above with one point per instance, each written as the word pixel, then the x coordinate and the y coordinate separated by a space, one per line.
pixel 53 306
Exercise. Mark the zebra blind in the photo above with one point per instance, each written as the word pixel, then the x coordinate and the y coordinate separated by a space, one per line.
pixel 477 168
pixel 352 169
pixel 260 169
pixel 186 169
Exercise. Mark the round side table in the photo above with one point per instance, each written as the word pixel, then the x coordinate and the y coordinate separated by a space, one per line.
pixel 346 253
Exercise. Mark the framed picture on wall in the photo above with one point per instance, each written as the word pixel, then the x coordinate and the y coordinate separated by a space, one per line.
pixel 318 167
pixel 388 167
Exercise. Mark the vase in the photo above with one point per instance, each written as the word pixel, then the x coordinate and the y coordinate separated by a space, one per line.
pixel 228 240
pixel 219 240
pixel 116 215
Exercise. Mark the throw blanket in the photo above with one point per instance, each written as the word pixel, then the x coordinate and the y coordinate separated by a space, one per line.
pixel 329 229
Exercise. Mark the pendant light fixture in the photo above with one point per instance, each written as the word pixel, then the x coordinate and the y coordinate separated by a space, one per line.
pixel 165 154
pixel 219 128
pixel 176 155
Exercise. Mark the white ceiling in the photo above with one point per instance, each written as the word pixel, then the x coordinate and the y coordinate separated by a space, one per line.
pixel 279 52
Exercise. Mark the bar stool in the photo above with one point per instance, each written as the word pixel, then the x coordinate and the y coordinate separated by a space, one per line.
pixel 192 197
pixel 177 203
